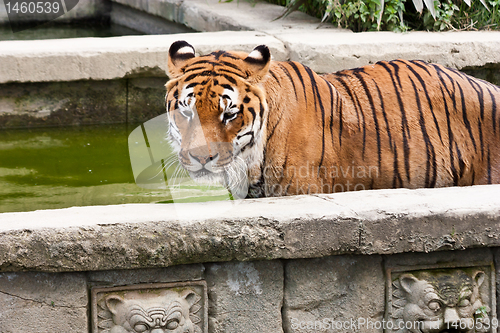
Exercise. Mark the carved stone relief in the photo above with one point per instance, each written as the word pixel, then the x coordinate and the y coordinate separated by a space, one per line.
pixel 151 308
pixel 442 300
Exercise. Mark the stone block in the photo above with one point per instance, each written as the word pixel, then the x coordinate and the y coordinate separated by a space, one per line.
pixel 442 291
pixel 146 98
pixel 496 255
pixel 148 275
pixel 156 307
pixel 62 103
pixel 145 22
pixel 32 302
pixel 245 297
pixel 339 293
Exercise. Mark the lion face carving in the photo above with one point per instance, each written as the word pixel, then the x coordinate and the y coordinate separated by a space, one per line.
pixel 168 311
pixel 441 302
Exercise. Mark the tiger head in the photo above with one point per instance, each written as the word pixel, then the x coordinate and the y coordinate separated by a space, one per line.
pixel 217 113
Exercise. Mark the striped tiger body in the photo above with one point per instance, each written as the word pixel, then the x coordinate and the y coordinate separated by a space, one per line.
pixel 237 117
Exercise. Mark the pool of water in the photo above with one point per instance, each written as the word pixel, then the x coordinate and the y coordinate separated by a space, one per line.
pixel 57 30
pixel 49 168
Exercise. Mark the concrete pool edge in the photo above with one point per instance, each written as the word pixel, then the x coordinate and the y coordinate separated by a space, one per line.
pixel 153 235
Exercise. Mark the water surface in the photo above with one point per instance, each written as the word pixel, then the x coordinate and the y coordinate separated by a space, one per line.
pixel 49 168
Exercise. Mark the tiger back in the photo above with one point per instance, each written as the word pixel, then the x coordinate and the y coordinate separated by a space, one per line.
pixel 285 130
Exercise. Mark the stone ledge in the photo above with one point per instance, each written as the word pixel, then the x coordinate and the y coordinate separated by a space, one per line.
pixel 298 37
pixel 113 57
pixel 156 235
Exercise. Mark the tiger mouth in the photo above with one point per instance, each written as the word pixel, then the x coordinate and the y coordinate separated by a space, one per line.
pixel 207 177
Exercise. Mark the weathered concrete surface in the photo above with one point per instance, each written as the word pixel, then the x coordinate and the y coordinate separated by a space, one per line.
pixel 339 293
pixel 146 275
pixel 323 51
pixel 43 302
pixel 215 15
pixel 156 235
pixel 64 103
pixel 326 52
pixel 144 22
pixel 145 98
pixel 241 292
pixel 297 37
pixel 114 57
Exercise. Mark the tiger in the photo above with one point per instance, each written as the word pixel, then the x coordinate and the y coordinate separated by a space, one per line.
pixel 282 129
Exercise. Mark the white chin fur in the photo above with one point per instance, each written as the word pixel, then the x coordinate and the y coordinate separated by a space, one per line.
pixel 208 178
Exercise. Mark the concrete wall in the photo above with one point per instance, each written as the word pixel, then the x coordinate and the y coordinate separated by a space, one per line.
pixel 268 265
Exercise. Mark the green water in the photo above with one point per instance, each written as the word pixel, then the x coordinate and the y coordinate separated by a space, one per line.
pixel 63 167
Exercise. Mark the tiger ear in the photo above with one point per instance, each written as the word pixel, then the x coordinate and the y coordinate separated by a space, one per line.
pixel 258 62
pixel 179 52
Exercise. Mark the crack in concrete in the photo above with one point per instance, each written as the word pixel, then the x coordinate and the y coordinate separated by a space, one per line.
pixel 41 302
pixel 284 263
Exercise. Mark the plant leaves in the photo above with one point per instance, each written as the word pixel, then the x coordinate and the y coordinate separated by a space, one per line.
pixel 381 8
pixel 431 7
pixel 485 5
pixel 292 6
pixel 419 5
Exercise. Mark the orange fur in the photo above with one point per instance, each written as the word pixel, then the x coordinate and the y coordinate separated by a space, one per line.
pixel 388 125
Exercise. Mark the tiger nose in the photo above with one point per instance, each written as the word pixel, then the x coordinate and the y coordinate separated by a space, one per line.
pixel 203 159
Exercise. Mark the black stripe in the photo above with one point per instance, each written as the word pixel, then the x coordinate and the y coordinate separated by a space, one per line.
pixel 330 89
pixel 191 85
pixel 276 125
pixel 297 71
pixel 204 62
pixel 422 82
pixel 228 64
pixel 274 76
pixel 466 120
pixel 202 74
pixel 396 180
pixel 218 54
pixel 422 64
pixel 452 94
pixel 450 139
pixel 252 111
pixel 224 72
pixel 187 70
pixel 291 79
pixel 396 71
pixel 480 97
pixel 229 78
pixel 384 114
pixel 374 114
pixel 404 123
pixel 353 97
pixel 430 154
pixel 341 120
pixel 227 86
pixel 461 162
pixel 317 98
pixel 494 112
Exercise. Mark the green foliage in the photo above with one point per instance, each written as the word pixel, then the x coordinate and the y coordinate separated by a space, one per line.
pixel 400 15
